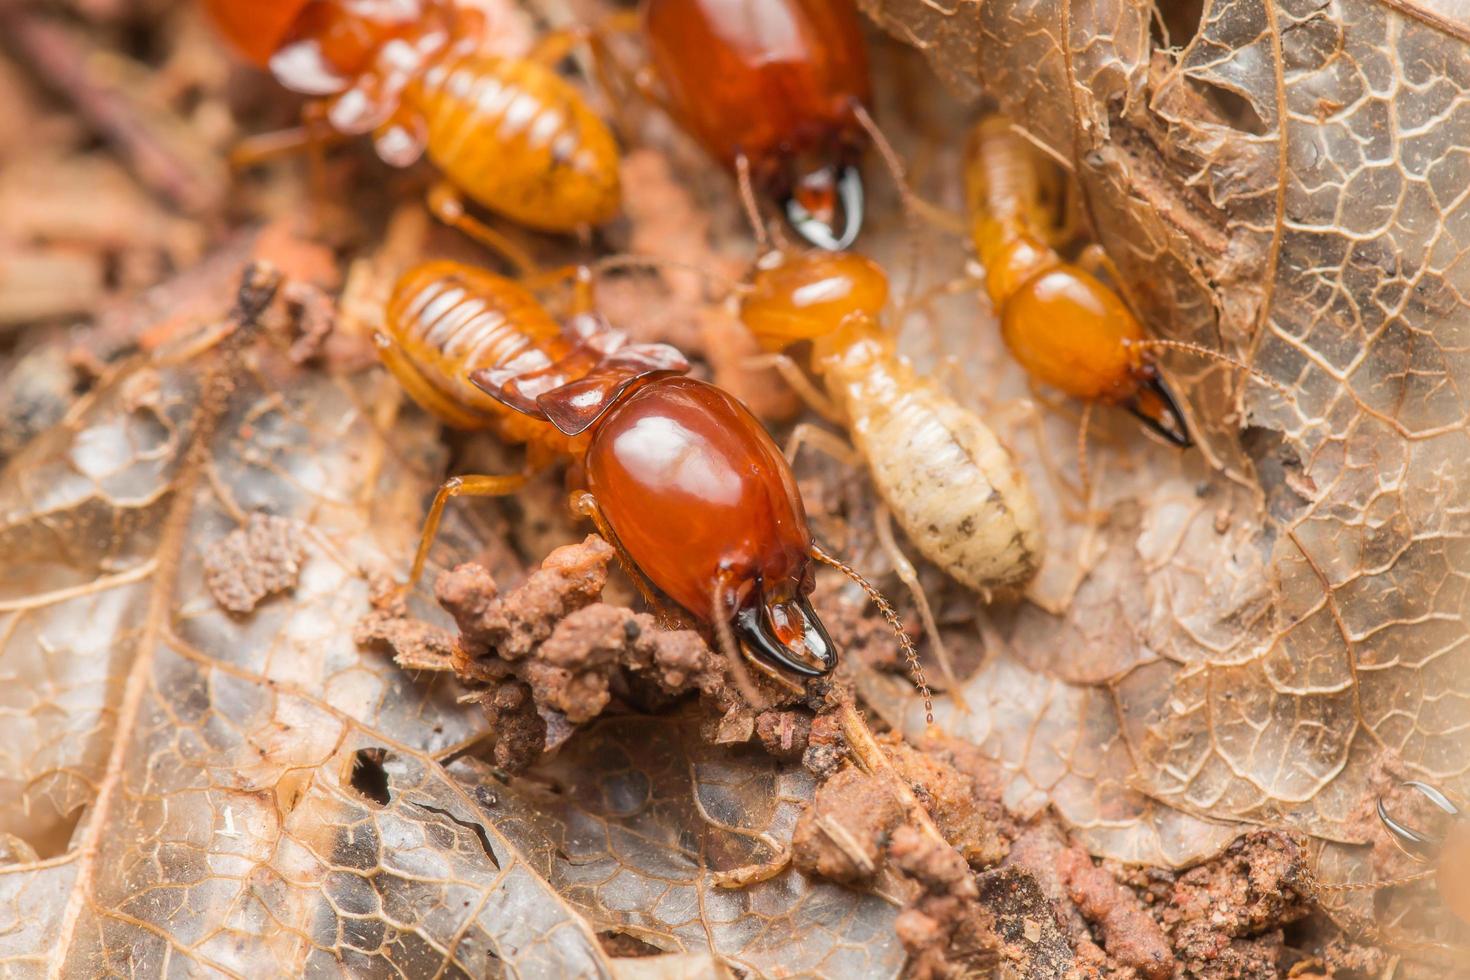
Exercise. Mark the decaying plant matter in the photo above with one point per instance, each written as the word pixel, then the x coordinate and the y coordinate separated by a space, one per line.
pixel 228 747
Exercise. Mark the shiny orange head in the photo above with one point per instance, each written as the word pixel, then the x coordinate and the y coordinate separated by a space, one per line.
pixel 775 81
pixel 692 487
pixel 796 297
pixel 702 500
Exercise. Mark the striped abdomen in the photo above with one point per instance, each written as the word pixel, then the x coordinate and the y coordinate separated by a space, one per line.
pixel 519 139
pixel 950 484
pixel 445 320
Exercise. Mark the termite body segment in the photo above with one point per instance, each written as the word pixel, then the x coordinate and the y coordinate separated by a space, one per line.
pixel 508 132
pixel 949 483
pixel 1064 326
pixel 779 83
pixel 686 482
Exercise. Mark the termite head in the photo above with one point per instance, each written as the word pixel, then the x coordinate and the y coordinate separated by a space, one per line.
pixel 806 296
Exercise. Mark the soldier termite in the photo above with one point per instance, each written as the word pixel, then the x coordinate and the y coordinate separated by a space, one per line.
pixel 1063 324
pixel 679 476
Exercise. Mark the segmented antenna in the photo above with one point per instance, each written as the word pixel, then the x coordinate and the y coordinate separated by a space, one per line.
pixel 890 616
pixel 748 201
pixel 1373 886
pixel 1214 355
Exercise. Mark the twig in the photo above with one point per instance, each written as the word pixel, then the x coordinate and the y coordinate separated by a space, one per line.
pixel 60 62
pixel 870 756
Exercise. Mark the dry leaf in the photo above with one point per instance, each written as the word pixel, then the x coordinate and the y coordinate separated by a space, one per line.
pixel 210 789
pixel 643 814
pixel 1258 640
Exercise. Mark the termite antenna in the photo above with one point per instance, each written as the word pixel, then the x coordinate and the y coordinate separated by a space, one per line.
pixel 1210 353
pixel 1369 886
pixel 749 203
pixel 906 195
pixel 910 577
pixel 890 616
pixel 913 203
pixel 1084 471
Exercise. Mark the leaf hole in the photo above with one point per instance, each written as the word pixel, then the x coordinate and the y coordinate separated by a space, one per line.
pixel 1233 107
pixel 1174 25
pixel 622 946
pixel 368 777
pixel 53 842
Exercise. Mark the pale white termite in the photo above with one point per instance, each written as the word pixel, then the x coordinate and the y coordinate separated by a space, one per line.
pixel 943 475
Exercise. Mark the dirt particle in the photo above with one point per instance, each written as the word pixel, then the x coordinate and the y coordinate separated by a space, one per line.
pixel 415 644
pixel 260 559
pixel 944 928
pixel 785 734
pixel 842 835
pixel 520 730
pixel 952 797
pixel 571 577
pixel 1226 915
pixel 826 747
pixel 1030 943
pixel 549 655
pixel 1129 933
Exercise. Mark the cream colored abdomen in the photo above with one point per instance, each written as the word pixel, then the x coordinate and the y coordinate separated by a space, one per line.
pixel 950 484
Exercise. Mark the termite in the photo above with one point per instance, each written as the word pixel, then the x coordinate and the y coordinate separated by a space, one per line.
pixel 1447 859
pixel 679 476
pixel 777 91
pixel 946 479
pixel 507 132
pixel 1065 327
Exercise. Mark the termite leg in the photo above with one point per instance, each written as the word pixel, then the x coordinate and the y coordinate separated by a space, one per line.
pixel 458 486
pixel 807 434
pixel 719 617
pixel 909 576
pixel 1066 211
pixel 794 376
pixel 913 202
pixel 585 505
pixel 583 281
pixel 1084 471
pixel 312 137
pixel 447 204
